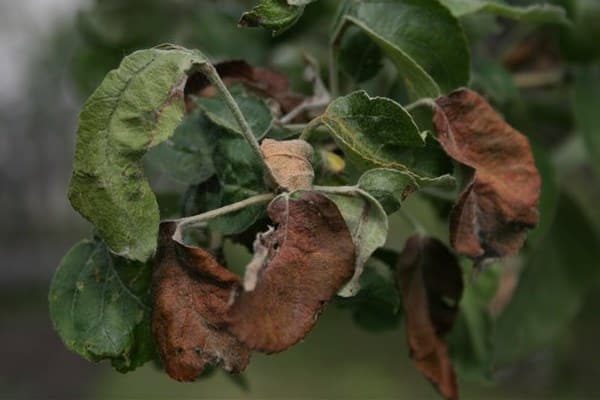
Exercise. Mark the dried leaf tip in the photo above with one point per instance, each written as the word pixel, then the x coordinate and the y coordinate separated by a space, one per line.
pixel 290 163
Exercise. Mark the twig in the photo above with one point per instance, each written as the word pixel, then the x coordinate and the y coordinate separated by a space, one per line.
pixel 530 80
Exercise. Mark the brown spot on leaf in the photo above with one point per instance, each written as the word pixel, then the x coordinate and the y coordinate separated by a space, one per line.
pixel 263 82
pixel 430 281
pixel 499 204
pixel 191 294
pixel 311 256
pixel 290 163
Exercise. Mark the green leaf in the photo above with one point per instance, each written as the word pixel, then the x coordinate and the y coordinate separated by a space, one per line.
pixel 421 37
pixel 373 131
pixel 274 15
pixel 580 42
pixel 241 176
pixel 254 109
pixel 542 13
pixel 470 341
pixel 186 156
pixel 586 104
pixel 551 288
pixel 390 187
pixel 368 224
pixel 360 58
pixel 137 106
pixel 493 80
pixel 99 306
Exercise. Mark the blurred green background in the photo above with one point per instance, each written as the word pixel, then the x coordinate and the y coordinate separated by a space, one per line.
pixel 545 79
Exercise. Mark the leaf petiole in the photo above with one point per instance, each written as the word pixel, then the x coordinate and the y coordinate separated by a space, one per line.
pixel 424 102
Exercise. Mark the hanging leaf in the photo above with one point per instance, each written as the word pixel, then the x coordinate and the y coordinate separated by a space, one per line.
pixel 542 13
pixel 368 225
pixel 430 281
pixel 186 156
pixel 137 106
pixel 254 109
pixel 274 15
pixel 421 37
pixel 310 257
pixel 191 293
pixel 499 204
pixel 99 306
pixel 290 163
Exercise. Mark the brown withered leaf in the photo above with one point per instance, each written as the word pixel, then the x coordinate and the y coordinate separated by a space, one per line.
pixel 191 293
pixel 499 204
pixel 311 256
pixel 264 82
pixel 290 162
pixel 430 281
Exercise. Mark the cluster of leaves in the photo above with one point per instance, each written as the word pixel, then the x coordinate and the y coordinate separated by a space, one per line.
pixel 308 183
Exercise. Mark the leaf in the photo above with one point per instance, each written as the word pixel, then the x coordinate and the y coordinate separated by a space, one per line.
pixel 430 281
pixel 311 255
pixel 551 289
pixel 372 131
pixel 186 156
pixel 137 106
pixel 191 293
pixel 99 306
pixel 254 109
pixel 290 163
pixel 542 13
pixel 499 204
pixel 274 15
pixel 585 106
pixel 390 187
pixel 421 37
pixel 360 58
pixel 368 225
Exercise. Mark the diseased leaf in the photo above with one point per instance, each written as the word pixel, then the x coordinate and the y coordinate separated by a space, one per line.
pixel 137 106
pixel 499 204
pixel 254 109
pixel 99 306
pixel 368 225
pixel 586 104
pixel 290 163
pixel 373 131
pixel 186 156
pixel 430 281
pixel 421 37
pixel 542 13
pixel 274 15
pixel 192 293
pixel 390 187
pixel 311 255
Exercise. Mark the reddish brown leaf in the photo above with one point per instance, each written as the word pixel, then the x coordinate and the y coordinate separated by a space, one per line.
pixel 264 82
pixel 290 162
pixel 493 213
pixel 311 256
pixel 430 281
pixel 192 293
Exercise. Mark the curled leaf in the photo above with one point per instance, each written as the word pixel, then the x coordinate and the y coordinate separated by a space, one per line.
pixel 274 15
pixel 430 281
pixel 290 163
pixel 311 255
pixel 192 293
pixel 499 204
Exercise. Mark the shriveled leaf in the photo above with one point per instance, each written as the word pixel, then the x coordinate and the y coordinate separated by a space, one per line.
pixel 373 131
pixel 542 13
pixel 585 106
pixel 390 186
pixel 311 255
pixel 191 294
pixel 360 58
pixel 274 15
pixel 368 225
pixel 137 106
pixel 99 306
pixel 290 162
pixel 186 156
pixel 254 109
pixel 421 37
pixel 430 281
pixel 499 204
